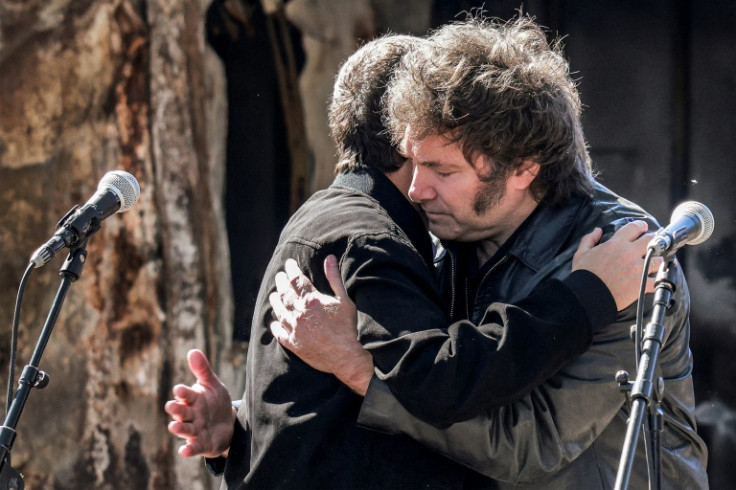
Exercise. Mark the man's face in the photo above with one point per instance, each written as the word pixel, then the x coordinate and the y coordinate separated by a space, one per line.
pixel 458 205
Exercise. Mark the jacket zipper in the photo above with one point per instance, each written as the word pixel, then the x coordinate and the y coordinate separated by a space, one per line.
pixel 498 263
pixel 453 273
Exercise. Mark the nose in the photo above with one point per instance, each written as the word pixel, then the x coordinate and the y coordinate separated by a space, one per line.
pixel 421 190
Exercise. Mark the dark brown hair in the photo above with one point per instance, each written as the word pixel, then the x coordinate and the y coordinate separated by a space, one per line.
pixel 500 91
pixel 356 116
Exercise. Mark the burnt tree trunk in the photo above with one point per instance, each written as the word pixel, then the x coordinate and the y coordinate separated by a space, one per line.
pixel 87 87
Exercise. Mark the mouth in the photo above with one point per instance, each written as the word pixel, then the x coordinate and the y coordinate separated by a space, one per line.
pixel 434 214
pixel 436 221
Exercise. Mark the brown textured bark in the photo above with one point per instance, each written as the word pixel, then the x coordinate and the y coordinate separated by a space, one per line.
pixel 87 87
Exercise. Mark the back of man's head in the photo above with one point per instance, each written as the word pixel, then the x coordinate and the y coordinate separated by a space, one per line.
pixel 356 115
pixel 502 92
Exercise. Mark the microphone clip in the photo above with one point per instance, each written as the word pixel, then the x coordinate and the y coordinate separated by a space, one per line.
pixel 77 225
pixel 660 243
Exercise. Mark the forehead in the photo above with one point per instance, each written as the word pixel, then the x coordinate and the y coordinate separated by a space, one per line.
pixel 433 150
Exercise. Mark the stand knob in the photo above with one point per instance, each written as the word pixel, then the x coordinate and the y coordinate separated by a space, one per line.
pixel 42 380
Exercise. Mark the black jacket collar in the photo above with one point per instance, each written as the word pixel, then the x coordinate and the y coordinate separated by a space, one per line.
pixel 536 242
pixel 375 184
pixel 546 232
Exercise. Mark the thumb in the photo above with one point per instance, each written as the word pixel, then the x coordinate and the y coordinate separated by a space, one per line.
pixel 332 272
pixel 200 367
pixel 590 240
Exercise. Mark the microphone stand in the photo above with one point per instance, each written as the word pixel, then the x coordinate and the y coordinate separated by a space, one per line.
pixel 31 376
pixel 642 388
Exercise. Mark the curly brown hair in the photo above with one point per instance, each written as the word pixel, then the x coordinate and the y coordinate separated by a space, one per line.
pixel 500 91
pixel 355 114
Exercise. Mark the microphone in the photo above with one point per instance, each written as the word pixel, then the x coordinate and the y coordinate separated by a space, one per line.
pixel 117 192
pixel 691 223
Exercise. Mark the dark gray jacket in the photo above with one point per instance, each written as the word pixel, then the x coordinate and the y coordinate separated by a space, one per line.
pixel 569 432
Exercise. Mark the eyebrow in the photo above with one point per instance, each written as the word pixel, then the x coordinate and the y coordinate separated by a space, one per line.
pixel 434 164
pixel 429 163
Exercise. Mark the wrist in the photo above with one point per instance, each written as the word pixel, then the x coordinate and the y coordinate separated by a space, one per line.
pixel 358 376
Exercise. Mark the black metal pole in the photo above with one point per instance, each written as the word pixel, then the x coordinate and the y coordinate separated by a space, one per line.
pixel 641 391
pixel 32 377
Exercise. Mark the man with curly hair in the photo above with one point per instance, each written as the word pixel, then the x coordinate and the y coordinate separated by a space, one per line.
pixel 490 118
pixel 296 426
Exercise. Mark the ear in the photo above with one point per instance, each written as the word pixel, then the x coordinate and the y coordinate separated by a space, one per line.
pixel 524 175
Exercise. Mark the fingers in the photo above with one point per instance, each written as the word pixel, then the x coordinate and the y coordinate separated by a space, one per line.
pixel 590 240
pixel 280 311
pixel 186 431
pixel 188 450
pixel 292 283
pixel 332 272
pixel 184 394
pixel 182 429
pixel 191 449
pixel 285 299
pixel 179 410
pixel 631 231
pixel 644 240
pixel 587 243
pixel 283 286
pixel 281 334
pixel 301 284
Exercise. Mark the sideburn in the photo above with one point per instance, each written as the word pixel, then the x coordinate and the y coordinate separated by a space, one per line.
pixel 493 190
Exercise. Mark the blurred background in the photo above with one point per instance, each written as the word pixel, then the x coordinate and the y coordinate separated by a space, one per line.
pixel 218 109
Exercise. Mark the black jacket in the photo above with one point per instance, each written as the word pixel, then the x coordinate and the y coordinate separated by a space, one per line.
pixel 567 433
pixel 297 427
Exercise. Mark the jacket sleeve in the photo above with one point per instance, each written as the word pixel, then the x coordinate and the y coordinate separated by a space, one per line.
pixel 530 438
pixel 544 431
pixel 515 348
pixel 402 322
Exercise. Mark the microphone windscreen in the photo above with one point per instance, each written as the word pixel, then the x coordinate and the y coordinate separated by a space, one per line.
pixel 702 214
pixel 124 185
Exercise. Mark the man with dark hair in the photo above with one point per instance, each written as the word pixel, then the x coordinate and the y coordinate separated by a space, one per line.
pixel 490 119
pixel 296 427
